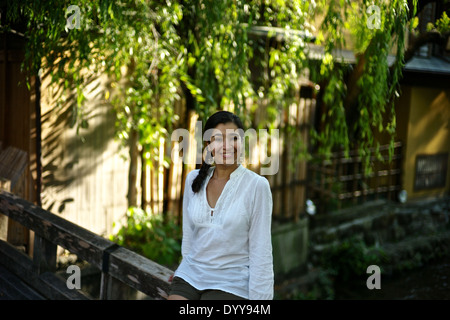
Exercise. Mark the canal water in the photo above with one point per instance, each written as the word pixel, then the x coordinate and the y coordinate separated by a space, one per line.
pixel 429 282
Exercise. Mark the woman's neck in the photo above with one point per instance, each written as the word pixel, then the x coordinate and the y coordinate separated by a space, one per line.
pixel 223 172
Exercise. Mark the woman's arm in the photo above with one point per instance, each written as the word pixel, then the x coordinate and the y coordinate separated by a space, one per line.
pixel 187 229
pixel 260 244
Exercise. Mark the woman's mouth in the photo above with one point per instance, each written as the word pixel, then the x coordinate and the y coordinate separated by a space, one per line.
pixel 227 155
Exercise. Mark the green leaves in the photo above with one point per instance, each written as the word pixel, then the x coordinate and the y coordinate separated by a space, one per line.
pixel 443 24
pixel 148 234
pixel 359 97
pixel 230 54
pixel 349 260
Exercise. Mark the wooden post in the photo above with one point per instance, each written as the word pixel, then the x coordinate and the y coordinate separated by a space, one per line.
pixel 44 255
pixel 113 289
pixel 389 181
pixel 356 169
pixel 5 184
pixel 339 164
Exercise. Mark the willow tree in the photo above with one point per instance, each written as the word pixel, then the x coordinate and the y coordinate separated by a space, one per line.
pixel 211 50
pixel 134 42
pixel 358 100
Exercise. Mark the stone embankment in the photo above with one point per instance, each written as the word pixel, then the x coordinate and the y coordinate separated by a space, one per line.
pixel 409 234
pixel 406 237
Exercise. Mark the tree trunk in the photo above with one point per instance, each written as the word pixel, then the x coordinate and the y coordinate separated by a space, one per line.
pixel 132 172
pixel 133 139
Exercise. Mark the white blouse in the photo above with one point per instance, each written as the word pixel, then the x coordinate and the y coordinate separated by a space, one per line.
pixel 231 249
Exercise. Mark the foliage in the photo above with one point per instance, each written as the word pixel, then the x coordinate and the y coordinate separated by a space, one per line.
pixel 148 234
pixel 442 24
pixel 134 42
pixel 209 52
pixel 321 289
pixel 232 68
pixel 356 107
pixel 348 260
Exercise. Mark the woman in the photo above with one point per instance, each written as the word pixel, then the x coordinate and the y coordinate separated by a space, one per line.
pixel 227 214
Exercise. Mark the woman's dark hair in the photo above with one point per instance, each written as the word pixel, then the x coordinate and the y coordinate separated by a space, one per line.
pixel 212 122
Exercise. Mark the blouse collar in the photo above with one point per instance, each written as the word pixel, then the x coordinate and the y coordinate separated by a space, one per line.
pixel 236 173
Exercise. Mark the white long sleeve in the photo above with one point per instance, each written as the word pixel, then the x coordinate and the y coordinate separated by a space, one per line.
pixel 231 250
pixel 260 244
pixel 186 240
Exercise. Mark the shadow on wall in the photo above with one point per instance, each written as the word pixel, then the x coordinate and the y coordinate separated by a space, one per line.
pixel 72 151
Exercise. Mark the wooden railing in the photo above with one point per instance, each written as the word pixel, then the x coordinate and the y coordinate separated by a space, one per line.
pixel 341 181
pixel 117 264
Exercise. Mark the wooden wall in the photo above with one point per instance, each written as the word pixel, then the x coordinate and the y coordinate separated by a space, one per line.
pixel 18 108
pixel 18 134
pixel 84 175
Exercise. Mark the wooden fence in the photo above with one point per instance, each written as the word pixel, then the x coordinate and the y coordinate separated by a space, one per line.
pixel 117 264
pixel 341 181
pixel 162 187
pixel 289 184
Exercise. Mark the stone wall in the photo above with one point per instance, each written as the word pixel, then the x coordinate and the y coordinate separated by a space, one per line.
pixel 290 247
pixel 409 228
pixel 408 236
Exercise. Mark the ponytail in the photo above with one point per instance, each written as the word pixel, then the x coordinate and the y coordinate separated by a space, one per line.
pixel 200 179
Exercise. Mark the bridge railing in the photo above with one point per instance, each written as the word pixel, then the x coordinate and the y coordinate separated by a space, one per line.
pixel 117 264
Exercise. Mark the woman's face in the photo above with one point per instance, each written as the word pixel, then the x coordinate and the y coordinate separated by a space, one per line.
pixel 225 143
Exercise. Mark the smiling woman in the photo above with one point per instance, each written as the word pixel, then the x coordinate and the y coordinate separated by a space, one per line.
pixel 227 213
pixel 226 143
pixel 215 130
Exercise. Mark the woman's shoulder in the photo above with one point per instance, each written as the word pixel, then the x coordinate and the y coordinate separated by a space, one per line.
pixel 192 174
pixel 256 178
